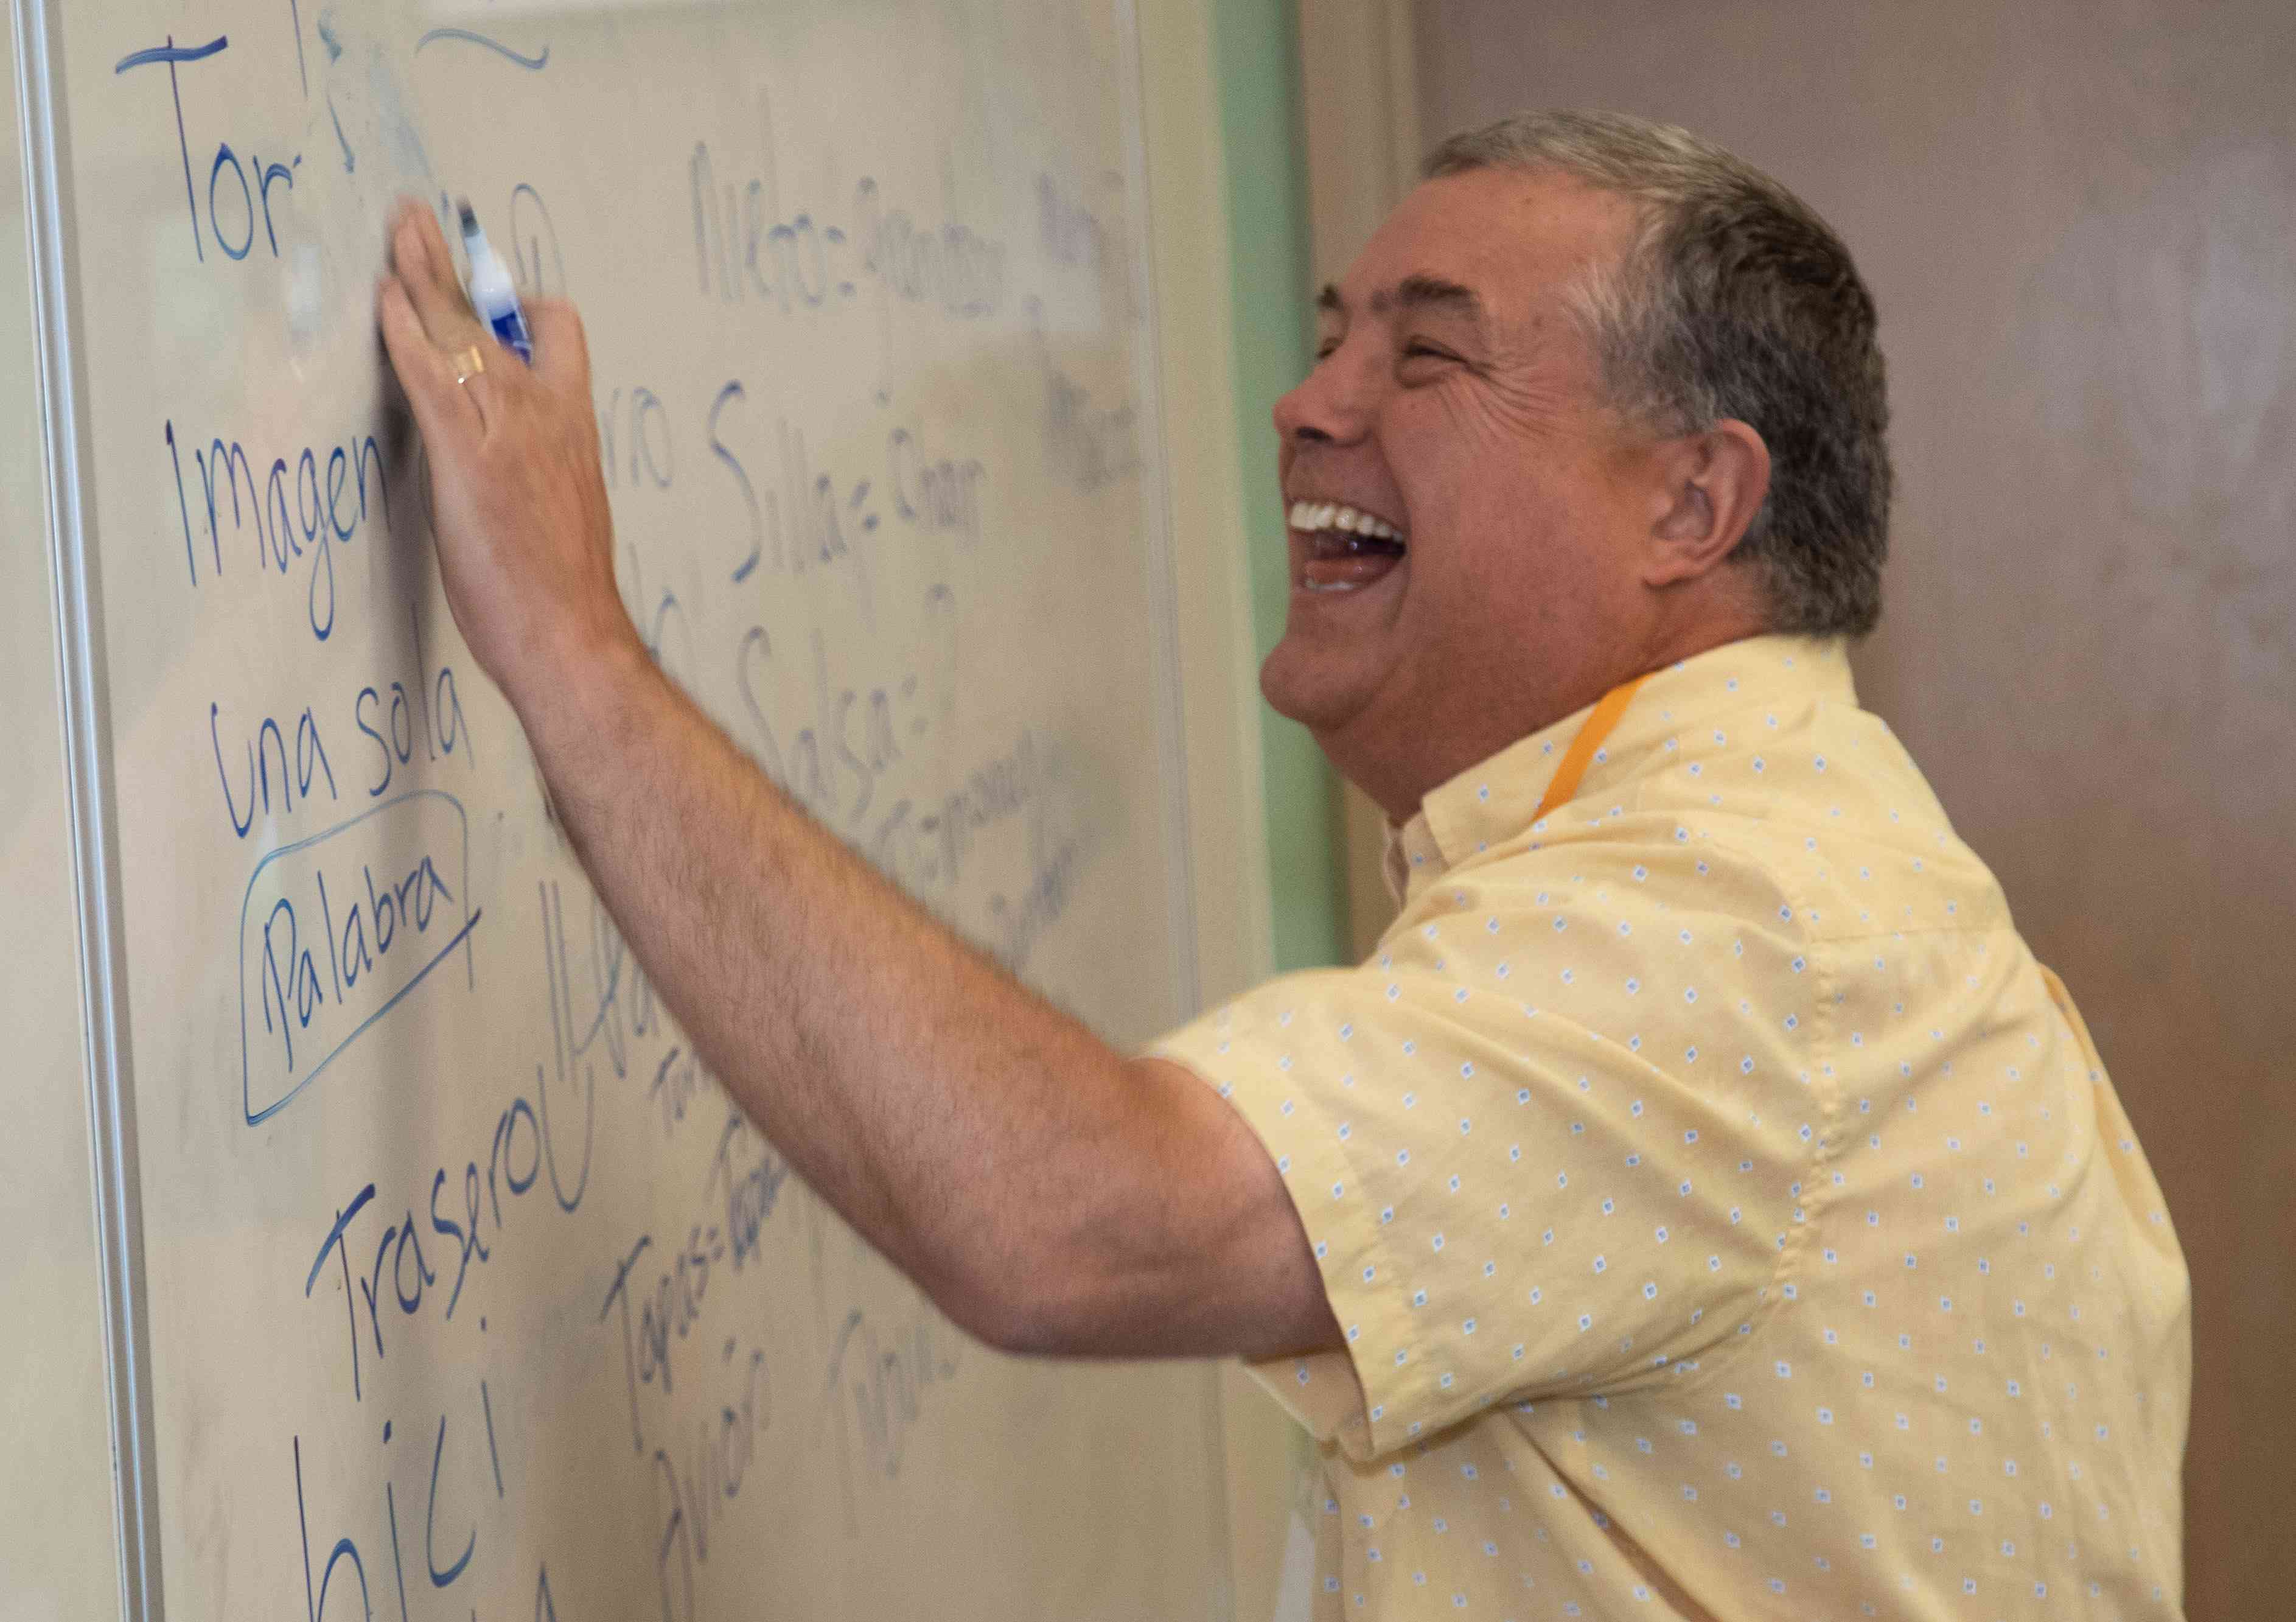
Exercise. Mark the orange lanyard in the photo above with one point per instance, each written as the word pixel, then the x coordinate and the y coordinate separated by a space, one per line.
pixel 1608 711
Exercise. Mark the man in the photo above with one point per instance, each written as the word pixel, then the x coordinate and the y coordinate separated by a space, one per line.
pixel 1702 1205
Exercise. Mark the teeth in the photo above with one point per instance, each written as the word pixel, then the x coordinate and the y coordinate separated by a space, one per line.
pixel 1309 517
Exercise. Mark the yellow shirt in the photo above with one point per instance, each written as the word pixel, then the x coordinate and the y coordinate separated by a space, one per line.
pixel 1726 1214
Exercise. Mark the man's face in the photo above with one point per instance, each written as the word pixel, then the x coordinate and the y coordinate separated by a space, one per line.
pixel 1453 405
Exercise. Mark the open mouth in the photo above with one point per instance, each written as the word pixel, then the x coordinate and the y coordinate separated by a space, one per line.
pixel 1348 549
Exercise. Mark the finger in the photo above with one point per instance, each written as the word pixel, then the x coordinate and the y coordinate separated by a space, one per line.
pixel 410 254
pixel 444 409
pixel 427 271
pixel 438 257
pixel 562 350
pixel 427 268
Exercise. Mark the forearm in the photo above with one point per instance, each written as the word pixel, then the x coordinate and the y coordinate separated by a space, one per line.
pixel 951 1116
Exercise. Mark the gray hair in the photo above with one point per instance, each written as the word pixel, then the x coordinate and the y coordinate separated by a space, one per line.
pixel 1734 299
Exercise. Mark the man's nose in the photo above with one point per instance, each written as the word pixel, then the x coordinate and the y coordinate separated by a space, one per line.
pixel 1335 402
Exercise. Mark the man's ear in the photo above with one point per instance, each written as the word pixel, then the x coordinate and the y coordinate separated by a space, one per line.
pixel 1713 483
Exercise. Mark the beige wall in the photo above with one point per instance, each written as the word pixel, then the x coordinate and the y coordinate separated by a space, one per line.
pixel 2080 223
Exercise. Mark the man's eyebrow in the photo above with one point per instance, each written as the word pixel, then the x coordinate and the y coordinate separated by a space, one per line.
pixel 1413 292
pixel 1424 292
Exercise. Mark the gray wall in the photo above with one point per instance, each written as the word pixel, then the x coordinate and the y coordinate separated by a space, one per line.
pixel 2080 221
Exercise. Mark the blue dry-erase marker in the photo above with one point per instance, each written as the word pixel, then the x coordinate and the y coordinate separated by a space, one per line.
pixel 492 293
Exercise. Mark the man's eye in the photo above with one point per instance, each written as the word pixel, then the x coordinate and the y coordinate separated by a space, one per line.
pixel 1426 351
pixel 1324 350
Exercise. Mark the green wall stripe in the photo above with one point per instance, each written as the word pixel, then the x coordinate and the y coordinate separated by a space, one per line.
pixel 1261 129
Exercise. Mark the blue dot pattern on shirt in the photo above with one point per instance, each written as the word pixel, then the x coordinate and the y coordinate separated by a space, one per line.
pixel 1722 1213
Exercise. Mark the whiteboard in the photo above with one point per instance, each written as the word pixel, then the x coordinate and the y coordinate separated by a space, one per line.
pixel 447 1283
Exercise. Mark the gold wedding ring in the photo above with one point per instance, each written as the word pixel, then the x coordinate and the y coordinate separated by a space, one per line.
pixel 468 364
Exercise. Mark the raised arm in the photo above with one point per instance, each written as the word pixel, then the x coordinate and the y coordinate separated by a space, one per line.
pixel 1049 1194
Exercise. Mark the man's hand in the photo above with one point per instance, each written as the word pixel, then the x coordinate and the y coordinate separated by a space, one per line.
pixel 526 542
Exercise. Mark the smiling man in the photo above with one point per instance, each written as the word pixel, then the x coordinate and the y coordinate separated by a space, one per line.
pixel 1533 545
pixel 1702 1205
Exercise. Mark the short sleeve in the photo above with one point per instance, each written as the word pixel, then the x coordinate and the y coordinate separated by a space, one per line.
pixel 1511 1193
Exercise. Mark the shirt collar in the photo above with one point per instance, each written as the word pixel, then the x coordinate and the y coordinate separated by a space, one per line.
pixel 1498 799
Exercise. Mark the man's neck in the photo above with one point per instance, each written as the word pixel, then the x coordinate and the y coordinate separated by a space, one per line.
pixel 1398 786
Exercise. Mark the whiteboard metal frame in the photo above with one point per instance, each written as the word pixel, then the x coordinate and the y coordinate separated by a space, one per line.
pixel 1171 713
pixel 92 805
pixel 1156 527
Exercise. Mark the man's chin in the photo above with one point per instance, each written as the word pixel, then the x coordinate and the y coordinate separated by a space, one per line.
pixel 1303 685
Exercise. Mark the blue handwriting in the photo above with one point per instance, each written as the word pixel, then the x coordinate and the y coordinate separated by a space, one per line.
pixel 298 510
pixel 362 925
pixel 532 64
pixel 253 195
